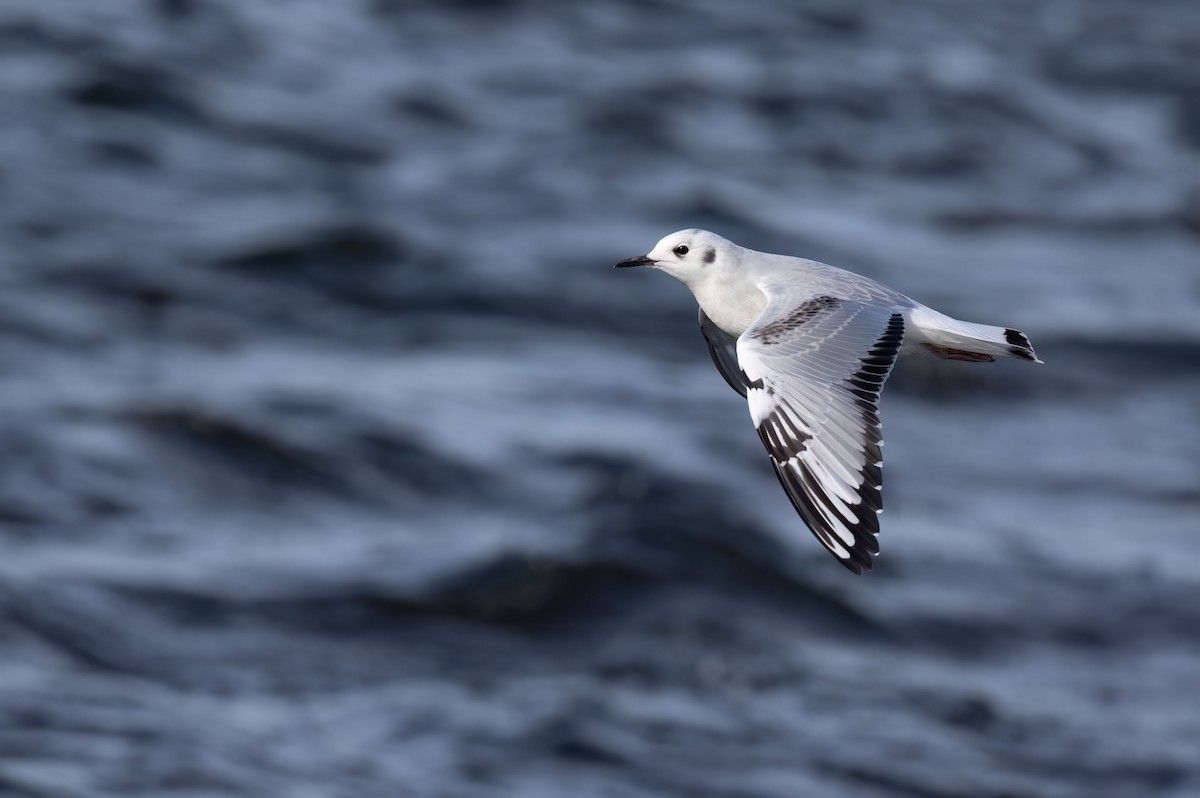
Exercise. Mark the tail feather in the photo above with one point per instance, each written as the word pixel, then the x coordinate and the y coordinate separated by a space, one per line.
pixel 1019 345
pixel 952 339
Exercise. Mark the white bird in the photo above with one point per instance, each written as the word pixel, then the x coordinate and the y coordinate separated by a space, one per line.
pixel 809 346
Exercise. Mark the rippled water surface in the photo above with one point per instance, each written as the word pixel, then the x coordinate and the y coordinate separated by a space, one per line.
pixel 337 461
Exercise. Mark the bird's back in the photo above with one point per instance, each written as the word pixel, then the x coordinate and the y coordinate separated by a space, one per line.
pixel 804 279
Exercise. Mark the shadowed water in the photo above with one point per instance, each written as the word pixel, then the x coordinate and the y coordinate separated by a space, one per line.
pixel 338 461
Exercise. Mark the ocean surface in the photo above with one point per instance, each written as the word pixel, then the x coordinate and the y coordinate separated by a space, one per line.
pixel 336 460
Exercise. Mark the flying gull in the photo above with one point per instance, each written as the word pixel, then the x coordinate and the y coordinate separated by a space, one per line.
pixel 810 346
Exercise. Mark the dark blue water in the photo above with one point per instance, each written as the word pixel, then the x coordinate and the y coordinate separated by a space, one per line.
pixel 337 461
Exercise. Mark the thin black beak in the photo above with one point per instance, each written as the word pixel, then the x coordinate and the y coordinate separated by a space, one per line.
pixel 640 260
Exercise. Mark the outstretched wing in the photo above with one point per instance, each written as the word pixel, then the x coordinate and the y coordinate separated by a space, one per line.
pixel 814 370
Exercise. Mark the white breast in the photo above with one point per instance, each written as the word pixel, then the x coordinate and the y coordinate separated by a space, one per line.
pixel 732 306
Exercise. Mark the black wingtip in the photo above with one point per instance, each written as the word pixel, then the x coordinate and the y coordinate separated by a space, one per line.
pixel 866 540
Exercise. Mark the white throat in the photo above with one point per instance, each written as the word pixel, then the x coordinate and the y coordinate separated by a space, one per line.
pixel 732 304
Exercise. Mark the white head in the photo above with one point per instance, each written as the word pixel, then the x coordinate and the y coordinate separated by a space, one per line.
pixel 690 256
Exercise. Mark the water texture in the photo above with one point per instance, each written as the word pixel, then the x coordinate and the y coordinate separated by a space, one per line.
pixel 335 460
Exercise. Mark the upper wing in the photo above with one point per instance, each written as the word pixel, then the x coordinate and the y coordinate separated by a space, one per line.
pixel 814 370
pixel 723 348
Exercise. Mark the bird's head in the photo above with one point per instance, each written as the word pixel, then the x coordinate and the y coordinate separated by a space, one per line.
pixel 689 256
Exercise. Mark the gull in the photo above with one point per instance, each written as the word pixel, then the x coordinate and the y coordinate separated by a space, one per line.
pixel 809 346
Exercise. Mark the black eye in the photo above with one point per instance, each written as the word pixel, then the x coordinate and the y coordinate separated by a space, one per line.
pixel 680 250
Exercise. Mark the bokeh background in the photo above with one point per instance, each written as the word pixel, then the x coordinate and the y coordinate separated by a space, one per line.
pixel 337 461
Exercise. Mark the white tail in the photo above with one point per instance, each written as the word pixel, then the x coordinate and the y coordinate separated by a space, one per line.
pixel 952 339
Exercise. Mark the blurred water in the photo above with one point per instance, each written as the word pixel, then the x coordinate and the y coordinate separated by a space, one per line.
pixel 339 462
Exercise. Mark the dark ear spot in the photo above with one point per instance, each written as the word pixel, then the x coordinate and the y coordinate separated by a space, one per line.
pixel 710 255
